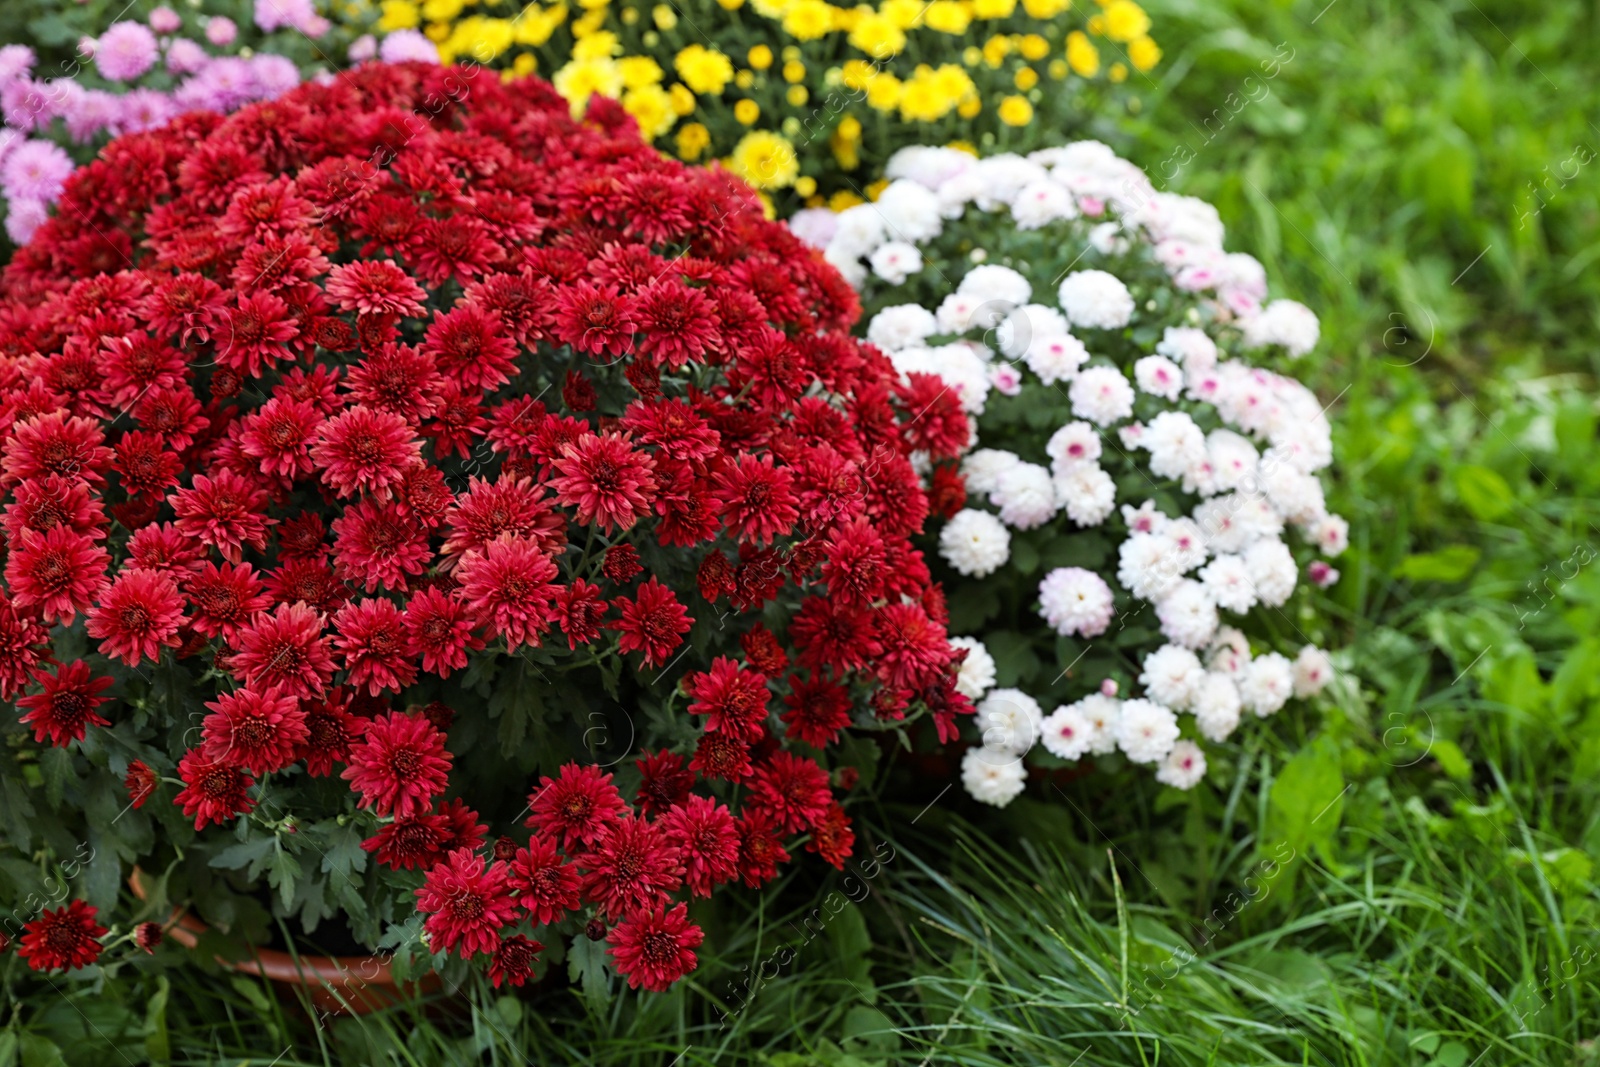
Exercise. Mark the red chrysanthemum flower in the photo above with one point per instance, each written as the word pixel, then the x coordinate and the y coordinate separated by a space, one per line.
pixel 42 504
pixel 58 573
pixel 935 422
pixel 223 511
pixel 653 623
pixel 513 960
pixel 466 902
pixel 756 499
pixel 664 782
pixel 678 323
pixel 621 564
pixel 62 940
pixel 733 699
pixel 261 732
pixel 65 708
pixel 379 545
pixel 580 611
pixel 576 805
pixel 722 756
pixel 257 334
pixel 470 348
pixel 372 641
pixel 763 651
pixel 160 547
pixel 488 511
pixel 608 482
pixel 760 849
pixel 818 710
pixel 409 843
pixel 397 378
pixel 399 765
pixel 947 491
pixel 913 648
pixel 140 782
pixel 705 834
pixel 212 792
pixel 362 450
pixel 833 636
pixel 439 628
pixel 55 443
pixel 137 617
pixel 655 947
pixel 632 865
pixel 793 789
pixel 224 599
pixel 330 731
pixel 508 587
pixel 279 436
pixel 857 563
pixel 465 829
pixel 832 838
pixel 595 319
pixel 285 650
pixel 547 887
pixel 371 288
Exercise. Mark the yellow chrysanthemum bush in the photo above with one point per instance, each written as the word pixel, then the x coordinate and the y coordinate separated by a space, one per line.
pixel 804 99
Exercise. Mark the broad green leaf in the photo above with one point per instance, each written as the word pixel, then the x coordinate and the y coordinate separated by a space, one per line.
pixel 1449 564
pixel 1484 492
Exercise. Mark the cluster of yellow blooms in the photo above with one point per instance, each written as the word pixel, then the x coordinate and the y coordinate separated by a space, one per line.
pixel 799 94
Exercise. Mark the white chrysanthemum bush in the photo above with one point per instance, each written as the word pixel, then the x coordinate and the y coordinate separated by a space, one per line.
pixel 1143 519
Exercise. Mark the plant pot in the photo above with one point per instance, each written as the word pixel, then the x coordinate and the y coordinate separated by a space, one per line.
pixel 334 985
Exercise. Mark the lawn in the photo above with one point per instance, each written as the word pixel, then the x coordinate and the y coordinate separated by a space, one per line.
pixel 1405 878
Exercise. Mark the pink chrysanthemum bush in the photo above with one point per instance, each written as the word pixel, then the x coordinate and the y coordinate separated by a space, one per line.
pixel 1134 536
pixel 426 509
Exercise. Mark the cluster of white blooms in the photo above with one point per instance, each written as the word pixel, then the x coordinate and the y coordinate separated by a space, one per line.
pixel 1250 477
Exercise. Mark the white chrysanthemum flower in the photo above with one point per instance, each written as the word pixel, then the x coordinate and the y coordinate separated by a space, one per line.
pixel 1229 653
pixel 982 469
pixel 910 212
pixel 1066 733
pixel 1159 376
pixel 1016 331
pixel 995 778
pixel 976 675
pixel 1108 239
pixel 1184 766
pixel 1101 713
pixel 1188 615
pixel 960 365
pixel 1313 670
pixel 895 261
pixel 1040 204
pixel 1095 299
pixel 1025 496
pixel 1228 582
pixel 1146 518
pixel 1145 730
pixel 1171 676
pixel 1244 272
pixel 1055 357
pixel 1233 460
pixel 901 326
pixel 859 231
pixel 956 311
pixel 1192 348
pixel 1272 571
pixel 956 192
pixel 928 165
pixel 1006 378
pixel 1076 601
pixel 1331 534
pixel 1188 542
pixel 1008 720
pixel 975 543
pixel 1267 683
pixel 1076 442
pixel 847 263
pixel 815 225
pixel 994 282
pixel 1101 395
pixel 1086 492
pixel 1004 177
pixel 1147 565
pixel 1217 706
pixel 1176 444
pixel 1172 217
pixel 1296 496
pixel 1283 322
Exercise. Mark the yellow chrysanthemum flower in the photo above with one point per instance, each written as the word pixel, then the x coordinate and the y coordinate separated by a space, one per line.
pixel 639 71
pixel 682 99
pixel 1143 53
pixel 398 15
pixel 1015 111
pixel 1025 79
pixel 747 111
pixel 993 9
pixel 794 71
pixel 1118 73
pixel 582 78
pixel 704 71
pixel 441 10
pixel 806 186
pixel 807 20
pixel 843 199
pixel 906 14
pixel 947 16
pixel 651 108
pixel 1045 9
pixel 969 108
pixel 797 95
pixel 995 50
pixel 1033 47
pixel 744 79
pixel 877 37
pixel 765 160
pixel 1082 56
pixel 601 45
pixel 693 140
pixel 534 28
pixel 1125 20
pixel 664 17
pixel 883 92
pixel 759 57
pixel 524 65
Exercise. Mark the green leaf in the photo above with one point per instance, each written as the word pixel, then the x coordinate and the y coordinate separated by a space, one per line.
pixel 1452 759
pixel 1306 801
pixel 587 963
pixel 344 855
pixel 1450 564
pixel 282 871
pixel 1024 556
pixel 249 853
pixel 1484 492
pixel 157 1045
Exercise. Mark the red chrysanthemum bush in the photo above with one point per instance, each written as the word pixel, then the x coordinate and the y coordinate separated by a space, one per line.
pixel 422 507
